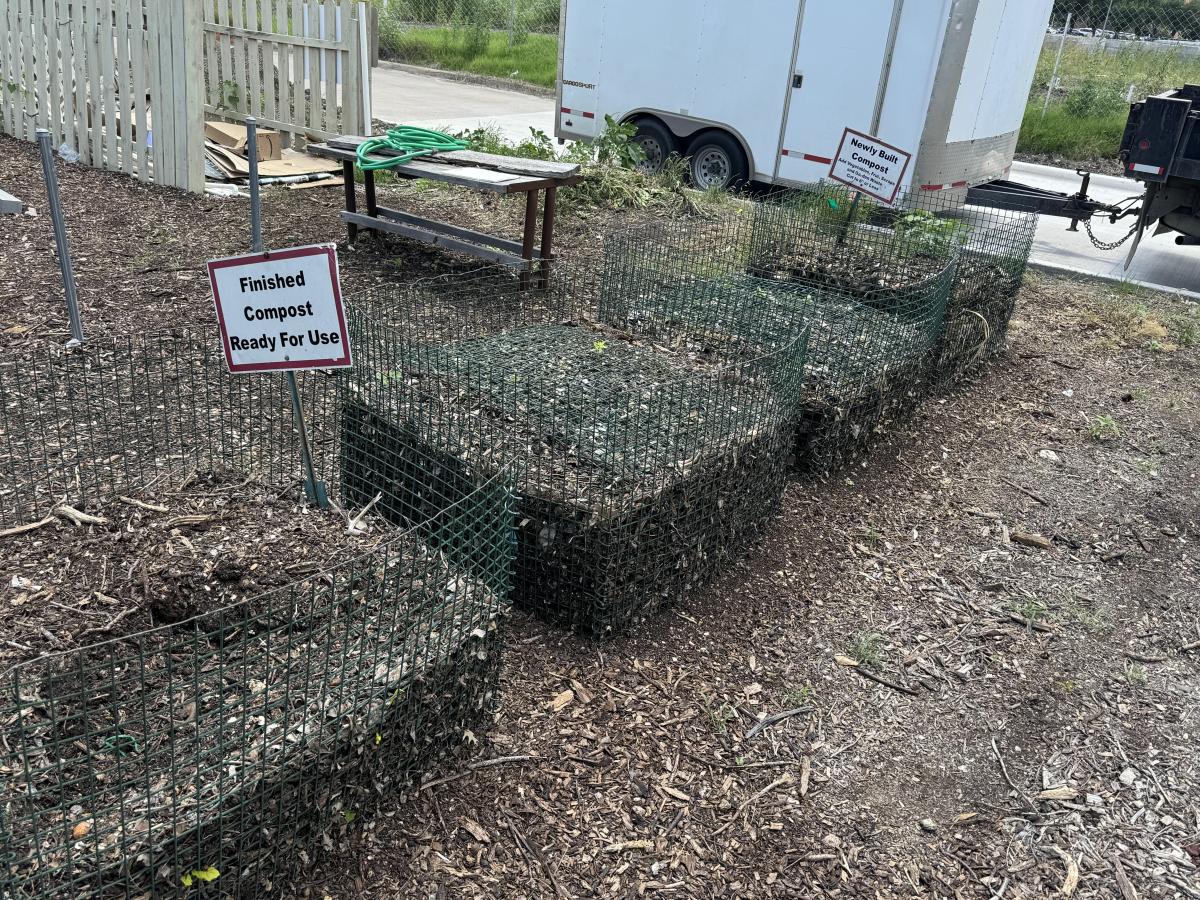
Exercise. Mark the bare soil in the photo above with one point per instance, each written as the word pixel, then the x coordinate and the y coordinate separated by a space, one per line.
pixel 984 638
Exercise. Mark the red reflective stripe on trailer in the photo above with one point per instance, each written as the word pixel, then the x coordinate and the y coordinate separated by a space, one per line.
pixel 817 159
pixel 589 115
pixel 1141 167
pixel 785 152
pixel 932 187
pixel 958 184
pixel 565 110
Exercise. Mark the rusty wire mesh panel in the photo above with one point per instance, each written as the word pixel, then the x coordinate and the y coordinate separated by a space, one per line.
pixel 990 272
pixel 230 745
pixel 643 461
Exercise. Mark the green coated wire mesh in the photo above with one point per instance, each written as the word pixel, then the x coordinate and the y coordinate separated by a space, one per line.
pixel 229 745
pixel 644 457
pixel 869 284
pixel 990 272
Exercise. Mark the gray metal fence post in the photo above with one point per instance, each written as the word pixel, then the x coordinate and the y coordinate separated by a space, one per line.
pixel 60 236
pixel 512 23
pixel 1057 60
pixel 314 490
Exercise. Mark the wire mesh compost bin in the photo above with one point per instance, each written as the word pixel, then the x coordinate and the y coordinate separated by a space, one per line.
pixel 990 272
pixel 215 751
pixel 643 459
pixel 869 287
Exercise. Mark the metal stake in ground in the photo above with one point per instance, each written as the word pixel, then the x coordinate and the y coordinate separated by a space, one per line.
pixel 314 490
pixel 60 236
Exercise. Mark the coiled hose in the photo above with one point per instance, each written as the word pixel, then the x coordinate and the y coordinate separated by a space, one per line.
pixel 409 142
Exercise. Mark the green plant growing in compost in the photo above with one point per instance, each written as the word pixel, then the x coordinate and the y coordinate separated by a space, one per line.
pixel 929 234
pixel 1105 428
pixel 865 649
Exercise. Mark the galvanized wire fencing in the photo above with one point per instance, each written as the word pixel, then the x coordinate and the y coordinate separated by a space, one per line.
pixel 644 458
pixel 229 746
pixel 1098 56
pixel 483 36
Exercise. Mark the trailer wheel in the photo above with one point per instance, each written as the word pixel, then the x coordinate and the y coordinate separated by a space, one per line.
pixel 716 161
pixel 656 142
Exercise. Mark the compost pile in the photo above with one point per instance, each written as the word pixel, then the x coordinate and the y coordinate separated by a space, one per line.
pixel 120 565
pixel 640 462
pixel 198 742
pixel 854 267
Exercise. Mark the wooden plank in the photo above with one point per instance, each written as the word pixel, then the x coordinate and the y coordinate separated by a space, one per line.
pixel 53 72
pixel 329 58
pixel 137 40
pixel 153 89
pixel 125 97
pixel 108 84
pixel 281 61
pixel 253 33
pixel 7 71
pixel 65 69
pixel 351 109
pixel 563 173
pixel 300 104
pixel 313 58
pixel 253 46
pixel 83 142
pixel 466 234
pixel 241 57
pixel 224 13
pixel 425 236
pixel 192 105
pixel 45 102
pixel 28 80
pixel 93 111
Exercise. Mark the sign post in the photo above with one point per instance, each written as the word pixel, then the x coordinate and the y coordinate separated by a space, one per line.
pixel 281 311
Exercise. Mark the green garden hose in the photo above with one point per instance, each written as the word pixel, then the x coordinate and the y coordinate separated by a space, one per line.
pixel 408 142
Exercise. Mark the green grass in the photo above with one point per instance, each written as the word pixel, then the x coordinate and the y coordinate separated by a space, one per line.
pixel 1088 108
pixel 533 59
pixel 1060 133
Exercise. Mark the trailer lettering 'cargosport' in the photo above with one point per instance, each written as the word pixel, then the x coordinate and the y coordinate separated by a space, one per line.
pixel 946 79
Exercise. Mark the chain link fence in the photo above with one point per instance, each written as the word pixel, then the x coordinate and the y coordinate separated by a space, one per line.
pixel 646 454
pixel 230 745
pixel 1098 56
pixel 507 38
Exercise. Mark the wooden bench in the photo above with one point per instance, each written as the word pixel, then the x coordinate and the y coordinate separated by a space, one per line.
pixel 478 171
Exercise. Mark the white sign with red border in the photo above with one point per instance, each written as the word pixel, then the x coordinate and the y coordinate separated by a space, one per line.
pixel 281 311
pixel 867 164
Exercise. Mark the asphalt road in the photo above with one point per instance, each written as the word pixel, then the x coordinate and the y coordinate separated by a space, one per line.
pixel 445 103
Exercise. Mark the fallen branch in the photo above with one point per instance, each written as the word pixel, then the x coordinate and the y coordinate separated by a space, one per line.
pixel 79 518
pixel 1127 889
pixel 1029 623
pixel 879 679
pixel 1027 492
pixel 107 626
pixel 1144 657
pixel 21 529
pixel 352 525
pixel 776 719
pixel 1188 648
pixel 1032 540
pixel 475 767
pixel 781 780
pixel 1004 772
pixel 140 504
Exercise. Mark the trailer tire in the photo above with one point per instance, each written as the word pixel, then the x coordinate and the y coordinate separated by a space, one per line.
pixel 656 142
pixel 716 160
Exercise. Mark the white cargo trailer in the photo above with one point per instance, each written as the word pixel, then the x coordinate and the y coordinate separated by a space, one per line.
pixel 762 89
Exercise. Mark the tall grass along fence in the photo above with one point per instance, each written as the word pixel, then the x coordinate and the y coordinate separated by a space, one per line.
pixel 118 81
pixel 646 453
pixel 1097 58
pixel 230 746
pixel 510 38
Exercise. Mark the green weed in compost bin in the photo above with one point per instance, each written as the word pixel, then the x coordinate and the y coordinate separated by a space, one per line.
pixel 640 469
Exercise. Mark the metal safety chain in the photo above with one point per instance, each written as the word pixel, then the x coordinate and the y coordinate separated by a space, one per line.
pixel 1106 245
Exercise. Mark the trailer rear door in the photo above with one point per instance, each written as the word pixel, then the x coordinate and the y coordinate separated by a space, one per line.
pixel 838 72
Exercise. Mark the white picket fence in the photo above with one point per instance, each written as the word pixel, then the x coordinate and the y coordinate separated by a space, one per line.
pixel 299 66
pixel 116 80
pixel 128 83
